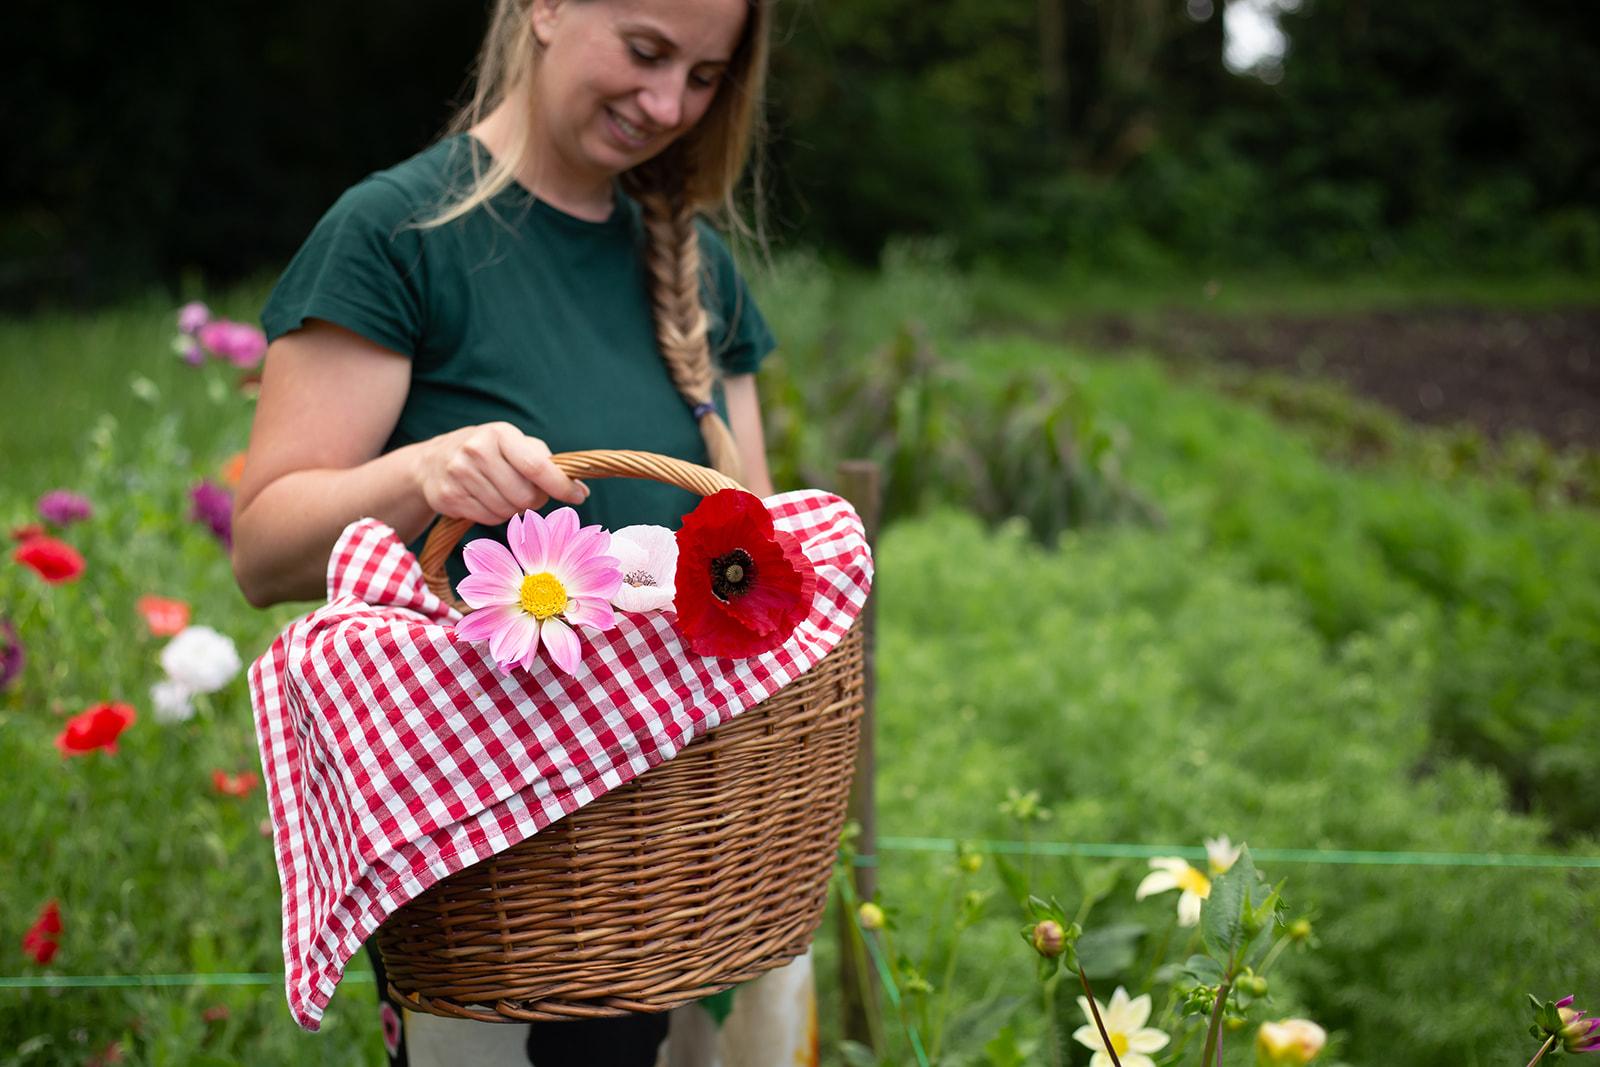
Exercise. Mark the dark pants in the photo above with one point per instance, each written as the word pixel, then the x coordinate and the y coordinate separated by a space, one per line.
pixel 624 1041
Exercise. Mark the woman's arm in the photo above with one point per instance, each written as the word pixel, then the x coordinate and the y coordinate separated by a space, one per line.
pixel 329 400
pixel 744 419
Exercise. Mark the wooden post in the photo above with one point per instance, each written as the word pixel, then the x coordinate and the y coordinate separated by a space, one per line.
pixel 860 483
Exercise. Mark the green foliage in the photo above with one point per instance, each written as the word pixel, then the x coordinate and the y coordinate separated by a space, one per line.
pixel 1022 444
pixel 1154 690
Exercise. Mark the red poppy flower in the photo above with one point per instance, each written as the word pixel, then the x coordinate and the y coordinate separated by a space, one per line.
pixel 54 561
pixel 742 584
pixel 234 785
pixel 27 532
pixel 41 940
pixel 96 727
pixel 164 617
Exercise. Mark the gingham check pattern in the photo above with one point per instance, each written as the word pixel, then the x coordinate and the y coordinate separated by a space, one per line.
pixel 395 755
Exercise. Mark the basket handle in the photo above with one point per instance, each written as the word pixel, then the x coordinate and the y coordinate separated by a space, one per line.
pixel 594 463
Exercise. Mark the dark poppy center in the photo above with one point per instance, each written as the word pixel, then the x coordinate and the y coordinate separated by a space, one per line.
pixel 732 574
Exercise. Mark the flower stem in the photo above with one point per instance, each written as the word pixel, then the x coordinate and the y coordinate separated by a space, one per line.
pixel 1214 1030
pixel 1094 1009
pixel 1549 1043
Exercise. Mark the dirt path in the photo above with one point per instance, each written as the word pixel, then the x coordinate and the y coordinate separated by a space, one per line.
pixel 1499 370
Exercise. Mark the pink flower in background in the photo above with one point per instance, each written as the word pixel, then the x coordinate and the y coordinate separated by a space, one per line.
pixel 213 505
pixel 192 316
pixel 554 576
pixel 63 507
pixel 238 343
pixel 11 656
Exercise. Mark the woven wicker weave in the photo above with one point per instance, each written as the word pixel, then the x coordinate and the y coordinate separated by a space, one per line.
pixel 707 871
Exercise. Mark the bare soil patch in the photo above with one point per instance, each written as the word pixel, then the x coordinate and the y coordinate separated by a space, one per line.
pixel 1499 370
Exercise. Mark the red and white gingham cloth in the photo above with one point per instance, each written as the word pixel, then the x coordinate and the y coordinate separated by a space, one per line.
pixel 395 755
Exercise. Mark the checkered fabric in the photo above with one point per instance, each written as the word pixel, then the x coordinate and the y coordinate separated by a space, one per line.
pixel 396 755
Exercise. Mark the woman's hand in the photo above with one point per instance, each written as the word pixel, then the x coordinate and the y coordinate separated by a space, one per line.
pixel 490 472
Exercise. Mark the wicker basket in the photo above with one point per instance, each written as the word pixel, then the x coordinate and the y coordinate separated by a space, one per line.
pixel 707 871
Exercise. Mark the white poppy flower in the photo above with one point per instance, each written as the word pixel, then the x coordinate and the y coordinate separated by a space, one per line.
pixel 200 659
pixel 649 556
pixel 171 702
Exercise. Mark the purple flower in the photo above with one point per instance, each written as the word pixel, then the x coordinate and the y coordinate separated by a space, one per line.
pixel 11 657
pixel 213 505
pixel 191 352
pixel 238 343
pixel 192 316
pixel 62 507
pixel 1577 1030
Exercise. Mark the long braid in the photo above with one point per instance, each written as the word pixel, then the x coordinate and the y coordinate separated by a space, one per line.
pixel 672 256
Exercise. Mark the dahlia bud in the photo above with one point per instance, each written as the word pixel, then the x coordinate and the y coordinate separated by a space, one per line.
pixel 1289 1043
pixel 870 916
pixel 1049 939
pixel 1252 984
pixel 1300 930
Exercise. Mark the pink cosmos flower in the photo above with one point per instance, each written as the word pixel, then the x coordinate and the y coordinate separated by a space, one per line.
pixel 63 507
pixel 238 343
pixel 554 576
pixel 192 316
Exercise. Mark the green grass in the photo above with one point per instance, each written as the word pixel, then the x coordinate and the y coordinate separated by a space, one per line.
pixel 1002 295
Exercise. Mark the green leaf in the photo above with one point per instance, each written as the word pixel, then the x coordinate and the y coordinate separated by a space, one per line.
pixel 1203 969
pixel 1550 1017
pixel 1222 916
pixel 856 1054
pixel 1015 881
pixel 1002 1050
pixel 1106 951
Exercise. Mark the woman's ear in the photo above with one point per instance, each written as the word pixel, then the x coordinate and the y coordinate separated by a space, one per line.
pixel 544 14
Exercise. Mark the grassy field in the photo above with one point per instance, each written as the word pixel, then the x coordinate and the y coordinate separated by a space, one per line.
pixel 1297 653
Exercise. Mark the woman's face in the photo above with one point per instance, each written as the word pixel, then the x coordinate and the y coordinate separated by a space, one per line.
pixel 622 79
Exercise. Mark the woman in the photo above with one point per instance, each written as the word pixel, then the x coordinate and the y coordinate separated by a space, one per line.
pixel 531 284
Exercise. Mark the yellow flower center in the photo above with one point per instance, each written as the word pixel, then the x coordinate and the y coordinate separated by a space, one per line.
pixel 1119 1042
pixel 543 595
pixel 1189 880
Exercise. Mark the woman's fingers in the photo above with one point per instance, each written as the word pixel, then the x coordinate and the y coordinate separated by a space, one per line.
pixel 530 457
pixel 489 473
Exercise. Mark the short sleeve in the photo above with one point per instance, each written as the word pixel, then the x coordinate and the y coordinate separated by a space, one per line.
pixel 740 337
pixel 362 268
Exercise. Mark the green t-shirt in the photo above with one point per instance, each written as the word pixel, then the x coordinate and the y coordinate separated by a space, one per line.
pixel 520 313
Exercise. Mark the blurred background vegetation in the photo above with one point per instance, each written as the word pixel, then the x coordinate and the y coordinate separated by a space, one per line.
pixel 1096 134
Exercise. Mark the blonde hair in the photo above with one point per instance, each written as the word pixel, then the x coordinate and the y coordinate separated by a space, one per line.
pixel 697 173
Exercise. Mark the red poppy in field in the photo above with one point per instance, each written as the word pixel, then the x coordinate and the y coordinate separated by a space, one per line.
pixel 235 785
pixel 108 1057
pixel 42 938
pixel 164 617
pixel 27 532
pixel 742 584
pixel 54 561
pixel 96 727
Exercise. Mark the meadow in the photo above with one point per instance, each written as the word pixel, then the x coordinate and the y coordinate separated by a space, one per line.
pixel 1165 611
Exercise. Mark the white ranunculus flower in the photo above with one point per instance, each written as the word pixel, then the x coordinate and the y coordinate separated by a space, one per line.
pixel 200 659
pixel 171 701
pixel 649 557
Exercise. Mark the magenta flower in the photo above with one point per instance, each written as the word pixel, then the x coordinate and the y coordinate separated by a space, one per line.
pixel 213 505
pixel 62 507
pixel 554 576
pixel 238 343
pixel 192 316
pixel 11 657
pixel 1577 1032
